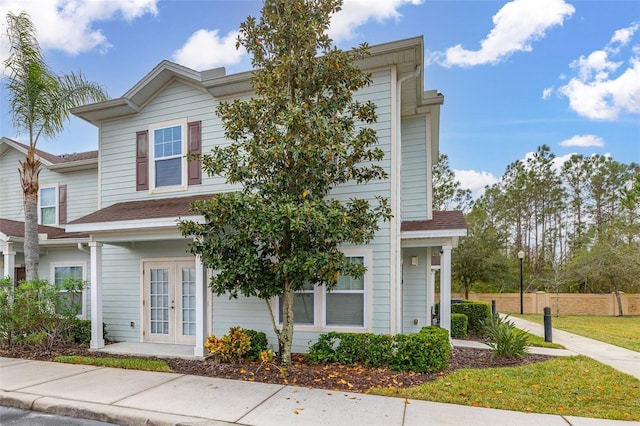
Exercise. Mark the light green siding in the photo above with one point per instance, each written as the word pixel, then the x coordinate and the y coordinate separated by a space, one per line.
pixel 118 143
pixel 414 290
pixel 82 192
pixel 122 283
pixel 414 169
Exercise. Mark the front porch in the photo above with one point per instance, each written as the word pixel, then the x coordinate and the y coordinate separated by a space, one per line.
pixel 150 349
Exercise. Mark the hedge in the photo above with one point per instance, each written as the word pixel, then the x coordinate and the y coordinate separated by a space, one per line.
pixel 459 324
pixel 475 310
pixel 426 351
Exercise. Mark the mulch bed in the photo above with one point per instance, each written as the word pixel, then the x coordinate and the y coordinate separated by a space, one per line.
pixel 328 376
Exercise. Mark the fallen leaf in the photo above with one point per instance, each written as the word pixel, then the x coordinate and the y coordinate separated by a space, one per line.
pixel 406 401
pixel 295 412
pixel 498 392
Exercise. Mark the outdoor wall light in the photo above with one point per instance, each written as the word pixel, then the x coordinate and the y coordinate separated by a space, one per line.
pixel 414 260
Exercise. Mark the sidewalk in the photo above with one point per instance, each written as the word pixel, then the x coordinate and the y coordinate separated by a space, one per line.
pixel 140 397
pixel 619 358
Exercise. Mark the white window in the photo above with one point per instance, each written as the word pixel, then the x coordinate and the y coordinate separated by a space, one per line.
pixel 345 303
pixel 72 299
pixel 48 206
pixel 344 306
pixel 168 168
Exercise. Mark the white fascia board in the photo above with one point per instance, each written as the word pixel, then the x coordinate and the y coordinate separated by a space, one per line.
pixel 133 225
pixel 64 242
pixel 443 233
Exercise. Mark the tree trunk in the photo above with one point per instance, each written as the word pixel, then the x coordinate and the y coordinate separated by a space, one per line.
pixel 619 302
pixel 285 338
pixel 30 169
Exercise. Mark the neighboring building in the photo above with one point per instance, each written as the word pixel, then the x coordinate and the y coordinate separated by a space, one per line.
pixel 68 190
pixel 145 285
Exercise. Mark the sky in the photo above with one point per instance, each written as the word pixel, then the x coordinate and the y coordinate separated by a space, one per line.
pixel 515 74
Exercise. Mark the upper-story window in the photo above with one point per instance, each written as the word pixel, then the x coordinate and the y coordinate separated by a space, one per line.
pixel 48 206
pixel 161 162
pixel 167 156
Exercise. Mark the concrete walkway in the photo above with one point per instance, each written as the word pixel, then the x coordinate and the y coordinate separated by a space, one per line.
pixel 141 398
pixel 619 358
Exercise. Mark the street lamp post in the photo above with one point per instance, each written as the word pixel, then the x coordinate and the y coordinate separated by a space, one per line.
pixel 520 259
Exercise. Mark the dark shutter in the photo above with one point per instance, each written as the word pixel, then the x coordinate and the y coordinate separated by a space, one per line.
pixel 62 204
pixel 194 146
pixel 142 160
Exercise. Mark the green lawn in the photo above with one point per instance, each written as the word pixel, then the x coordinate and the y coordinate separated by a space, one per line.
pixel 619 331
pixel 128 363
pixel 570 386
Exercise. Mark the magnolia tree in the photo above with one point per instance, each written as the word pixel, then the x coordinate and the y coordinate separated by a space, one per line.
pixel 300 135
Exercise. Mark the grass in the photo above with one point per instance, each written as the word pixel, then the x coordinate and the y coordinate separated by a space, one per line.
pixel 128 363
pixel 570 386
pixel 619 331
pixel 539 342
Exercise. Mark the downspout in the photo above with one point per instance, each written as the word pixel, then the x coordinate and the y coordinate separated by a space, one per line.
pixel 398 166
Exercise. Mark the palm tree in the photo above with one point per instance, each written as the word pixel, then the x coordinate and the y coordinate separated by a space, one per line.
pixel 39 103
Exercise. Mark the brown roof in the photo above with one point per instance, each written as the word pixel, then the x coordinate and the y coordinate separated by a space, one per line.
pixel 64 158
pixel 147 209
pixel 442 220
pixel 14 228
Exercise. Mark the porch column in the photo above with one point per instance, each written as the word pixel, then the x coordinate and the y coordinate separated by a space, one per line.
pixel 445 288
pixel 431 287
pixel 9 263
pixel 201 312
pixel 97 338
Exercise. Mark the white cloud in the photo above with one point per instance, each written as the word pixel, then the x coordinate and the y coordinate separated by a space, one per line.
pixel 602 87
pixel 68 25
pixel 205 50
pixel 516 26
pixel 355 13
pixel 547 92
pixel 475 181
pixel 583 141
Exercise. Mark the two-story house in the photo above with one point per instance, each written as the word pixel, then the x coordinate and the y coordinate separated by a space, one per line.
pixel 68 190
pixel 147 288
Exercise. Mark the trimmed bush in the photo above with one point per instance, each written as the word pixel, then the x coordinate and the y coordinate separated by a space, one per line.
pixel 81 331
pixel 259 343
pixel 459 324
pixel 427 351
pixel 477 313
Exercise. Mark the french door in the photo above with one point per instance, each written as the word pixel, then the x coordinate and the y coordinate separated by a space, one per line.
pixel 169 302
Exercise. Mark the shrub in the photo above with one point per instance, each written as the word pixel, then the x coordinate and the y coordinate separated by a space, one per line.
pixel 426 351
pixel 36 313
pixel 259 343
pixel 459 324
pixel 505 340
pixel 477 313
pixel 230 347
pixel 81 331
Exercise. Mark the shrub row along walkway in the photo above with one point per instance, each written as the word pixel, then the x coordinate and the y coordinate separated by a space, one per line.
pixel 139 397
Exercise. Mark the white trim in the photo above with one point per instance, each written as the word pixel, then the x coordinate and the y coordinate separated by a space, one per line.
pixel 444 233
pixel 56 204
pixel 127 225
pixel 395 261
pixel 97 337
pixel 319 307
pixel 183 162
pixel 72 264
